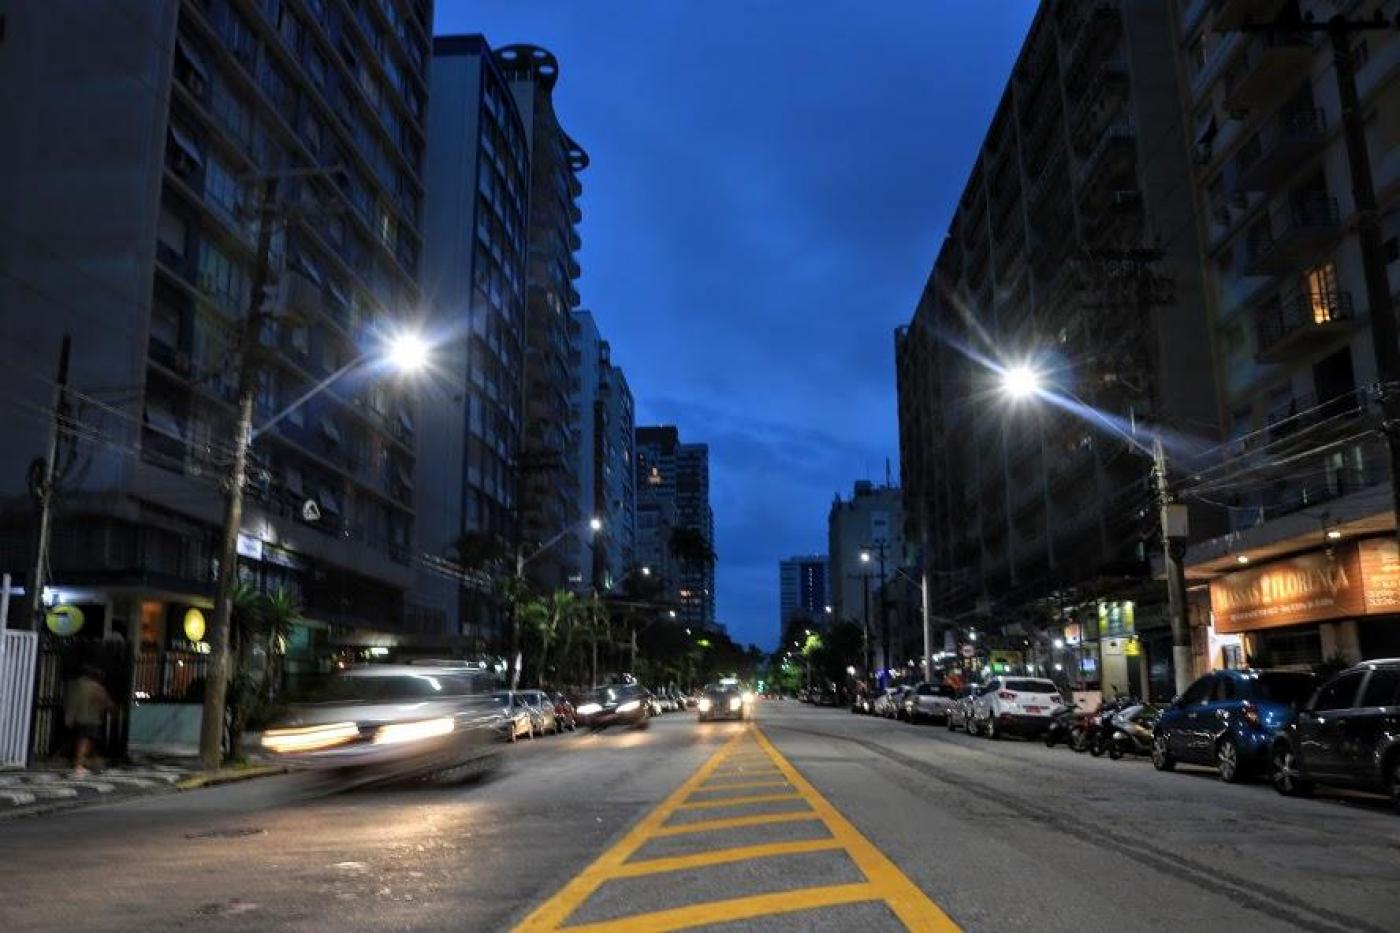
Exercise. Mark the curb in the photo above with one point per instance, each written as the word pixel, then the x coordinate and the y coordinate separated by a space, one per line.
pixel 228 776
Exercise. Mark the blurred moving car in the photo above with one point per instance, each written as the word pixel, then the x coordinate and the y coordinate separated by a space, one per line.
pixel 391 720
pixel 1014 706
pixel 725 700
pixel 1228 719
pixel 564 711
pixel 1347 735
pixel 614 705
pixel 928 702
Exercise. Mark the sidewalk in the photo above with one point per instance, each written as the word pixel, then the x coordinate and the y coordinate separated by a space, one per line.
pixel 45 789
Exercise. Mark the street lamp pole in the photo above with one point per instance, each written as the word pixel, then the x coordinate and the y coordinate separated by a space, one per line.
pixel 518 578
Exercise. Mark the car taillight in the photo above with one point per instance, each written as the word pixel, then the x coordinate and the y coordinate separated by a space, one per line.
pixel 1250 714
pixel 1006 695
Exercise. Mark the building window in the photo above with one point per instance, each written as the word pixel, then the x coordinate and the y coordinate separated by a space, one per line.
pixel 222 279
pixel 221 189
pixel 171 233
pixel 1320 283
pixel 233 113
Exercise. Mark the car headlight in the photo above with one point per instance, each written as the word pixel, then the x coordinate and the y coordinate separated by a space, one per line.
pixel 588 709
pixel 735 703
pixel 748 696
pixel 309 738
pixel 397 732
pixel 629 706
pixel 704 705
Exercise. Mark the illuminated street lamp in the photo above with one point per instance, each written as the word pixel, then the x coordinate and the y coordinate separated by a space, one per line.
pixel 1021 381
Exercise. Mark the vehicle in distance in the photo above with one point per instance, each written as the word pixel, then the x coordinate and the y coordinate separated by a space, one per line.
pixel 727 699
pixel 1014 706
pixel 928 702
pixel 392 720
pixel 614 705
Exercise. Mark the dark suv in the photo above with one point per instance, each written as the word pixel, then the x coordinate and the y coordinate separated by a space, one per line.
pixel 1348 735
pixel 1228 719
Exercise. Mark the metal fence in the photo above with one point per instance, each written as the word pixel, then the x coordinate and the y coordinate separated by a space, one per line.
pixel 17 653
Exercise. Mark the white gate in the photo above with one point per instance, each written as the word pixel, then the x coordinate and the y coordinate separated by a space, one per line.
pixel 17 653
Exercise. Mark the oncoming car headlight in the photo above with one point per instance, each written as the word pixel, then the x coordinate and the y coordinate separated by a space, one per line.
pixel 704 705
pixel 748 696
pixel 588 709
pixel 629 706
pixel 396 732
pixel 735 703
pixel 309 738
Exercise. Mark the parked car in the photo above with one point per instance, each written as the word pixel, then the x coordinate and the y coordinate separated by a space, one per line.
pixel 1014 706
pixel 1228 719
pixel 390 721
pixel 861 701
pixel 1347 735
pixel 542 704
pixel 725 700
pixel 960 713
pixel 928 702
pixel 515 718
pixel 883 704
pixel 615 705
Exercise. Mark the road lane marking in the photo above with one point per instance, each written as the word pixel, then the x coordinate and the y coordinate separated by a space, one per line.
pixel 653 866
pixel 884 881
pixel 719 803
pixel 739 908
pixel 734 822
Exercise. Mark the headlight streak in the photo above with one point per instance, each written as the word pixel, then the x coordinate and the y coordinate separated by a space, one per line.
pixel 397 732
pixel 309 738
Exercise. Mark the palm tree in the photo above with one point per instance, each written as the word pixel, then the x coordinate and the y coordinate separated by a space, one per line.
pixel 597 623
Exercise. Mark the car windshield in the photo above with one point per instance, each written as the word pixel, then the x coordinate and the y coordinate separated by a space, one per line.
pixel 613 694
pixel 1030 686
pixel 1284 687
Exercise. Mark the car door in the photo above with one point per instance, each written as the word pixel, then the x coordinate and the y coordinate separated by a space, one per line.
pixel 1321 726
pixel 1363 728
pixel 1184 719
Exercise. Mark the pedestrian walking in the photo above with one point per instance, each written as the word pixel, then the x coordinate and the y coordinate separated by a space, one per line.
pixel 85 708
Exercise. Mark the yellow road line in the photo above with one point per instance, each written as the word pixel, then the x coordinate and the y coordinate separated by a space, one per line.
pixel 552 914
pixel 735 822
pixel 739 908
pixel 737 785
pixel 909 903
pixel 721 802
pixel 653 866
pixel 721 779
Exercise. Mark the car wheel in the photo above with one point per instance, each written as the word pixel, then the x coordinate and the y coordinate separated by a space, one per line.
pixel 952 726
pixel 1162 759
pixel 1284 773
pixel 1227 761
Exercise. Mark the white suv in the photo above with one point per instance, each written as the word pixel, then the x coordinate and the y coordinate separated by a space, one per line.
pixel 1014 706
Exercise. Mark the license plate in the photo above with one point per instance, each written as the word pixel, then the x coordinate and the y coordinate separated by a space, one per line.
pixel 1035 709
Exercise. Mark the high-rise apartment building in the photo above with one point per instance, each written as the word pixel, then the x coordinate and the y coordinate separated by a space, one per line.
pixel 1073 250
pixel 548 465
pixel 1306 483
pixel 804 588
pixel 129 218
pixel 869 523
pixel 676 529
pixel 474 270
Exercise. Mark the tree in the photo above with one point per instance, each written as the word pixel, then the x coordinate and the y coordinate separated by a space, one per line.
pixel 259 623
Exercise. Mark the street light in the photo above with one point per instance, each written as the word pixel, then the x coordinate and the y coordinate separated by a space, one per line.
pixel 1059 643
pixel 595 523
pixel 1021 381
pixel 865 557
pixel 646 571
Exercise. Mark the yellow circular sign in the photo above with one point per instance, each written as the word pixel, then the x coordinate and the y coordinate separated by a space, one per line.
pixel 194 624
pixel 64 620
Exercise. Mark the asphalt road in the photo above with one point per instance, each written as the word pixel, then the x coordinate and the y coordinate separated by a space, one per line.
pixel 815 820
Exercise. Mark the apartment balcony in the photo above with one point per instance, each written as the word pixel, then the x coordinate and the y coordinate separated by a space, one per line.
pixel 1294 238
pixel 1115 146
pixel 1283 145
pixel 1110 81
pixel 1099 29
pixel 1305 412
pixel 1265 72
pixel 1232 14
pixel 1293 323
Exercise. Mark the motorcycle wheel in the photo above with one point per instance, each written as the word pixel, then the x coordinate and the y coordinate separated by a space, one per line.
pixel 1050 738
pixel 1096 747
pixel 1115 748
pixel 1077 741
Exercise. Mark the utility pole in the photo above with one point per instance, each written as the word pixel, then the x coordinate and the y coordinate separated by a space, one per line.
pixel 44 488
pixel 928 625
pixel 865 626
pixel 1339 30
pixel 211 727
pixel 1174 534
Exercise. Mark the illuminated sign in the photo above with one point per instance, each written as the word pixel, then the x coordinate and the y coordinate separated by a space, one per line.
pixel 1347 580
pixel 64 620
pixel 193 624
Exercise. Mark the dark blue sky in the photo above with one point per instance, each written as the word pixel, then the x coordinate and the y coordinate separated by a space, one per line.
pixel 770 183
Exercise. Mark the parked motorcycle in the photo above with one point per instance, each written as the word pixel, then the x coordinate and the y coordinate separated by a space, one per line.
pixel 1061 729
pixel 1097 729
pixel 1130 731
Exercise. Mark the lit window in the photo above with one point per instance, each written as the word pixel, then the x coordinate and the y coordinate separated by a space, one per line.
pixel 1321 285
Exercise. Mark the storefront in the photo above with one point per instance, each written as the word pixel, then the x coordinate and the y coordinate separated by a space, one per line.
pixel 1336 602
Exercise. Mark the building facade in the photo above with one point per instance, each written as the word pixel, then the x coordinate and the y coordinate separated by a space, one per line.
pixel 133 229
pixel 804 588
pixel 615 475
pixel 477 178
pixel 676 525
pixel 1277 217
pixel 548 465
pixel 869 523
pixel 1074 252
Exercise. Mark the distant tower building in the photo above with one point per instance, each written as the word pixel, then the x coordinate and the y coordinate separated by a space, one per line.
pixel 871 521
pixel 548 465
pixel 804 585
pixel 673 505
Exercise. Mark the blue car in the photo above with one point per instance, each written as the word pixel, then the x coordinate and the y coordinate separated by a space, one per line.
pixel 1227 719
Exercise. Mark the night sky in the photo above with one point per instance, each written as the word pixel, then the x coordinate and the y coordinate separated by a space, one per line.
pixel 770 183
